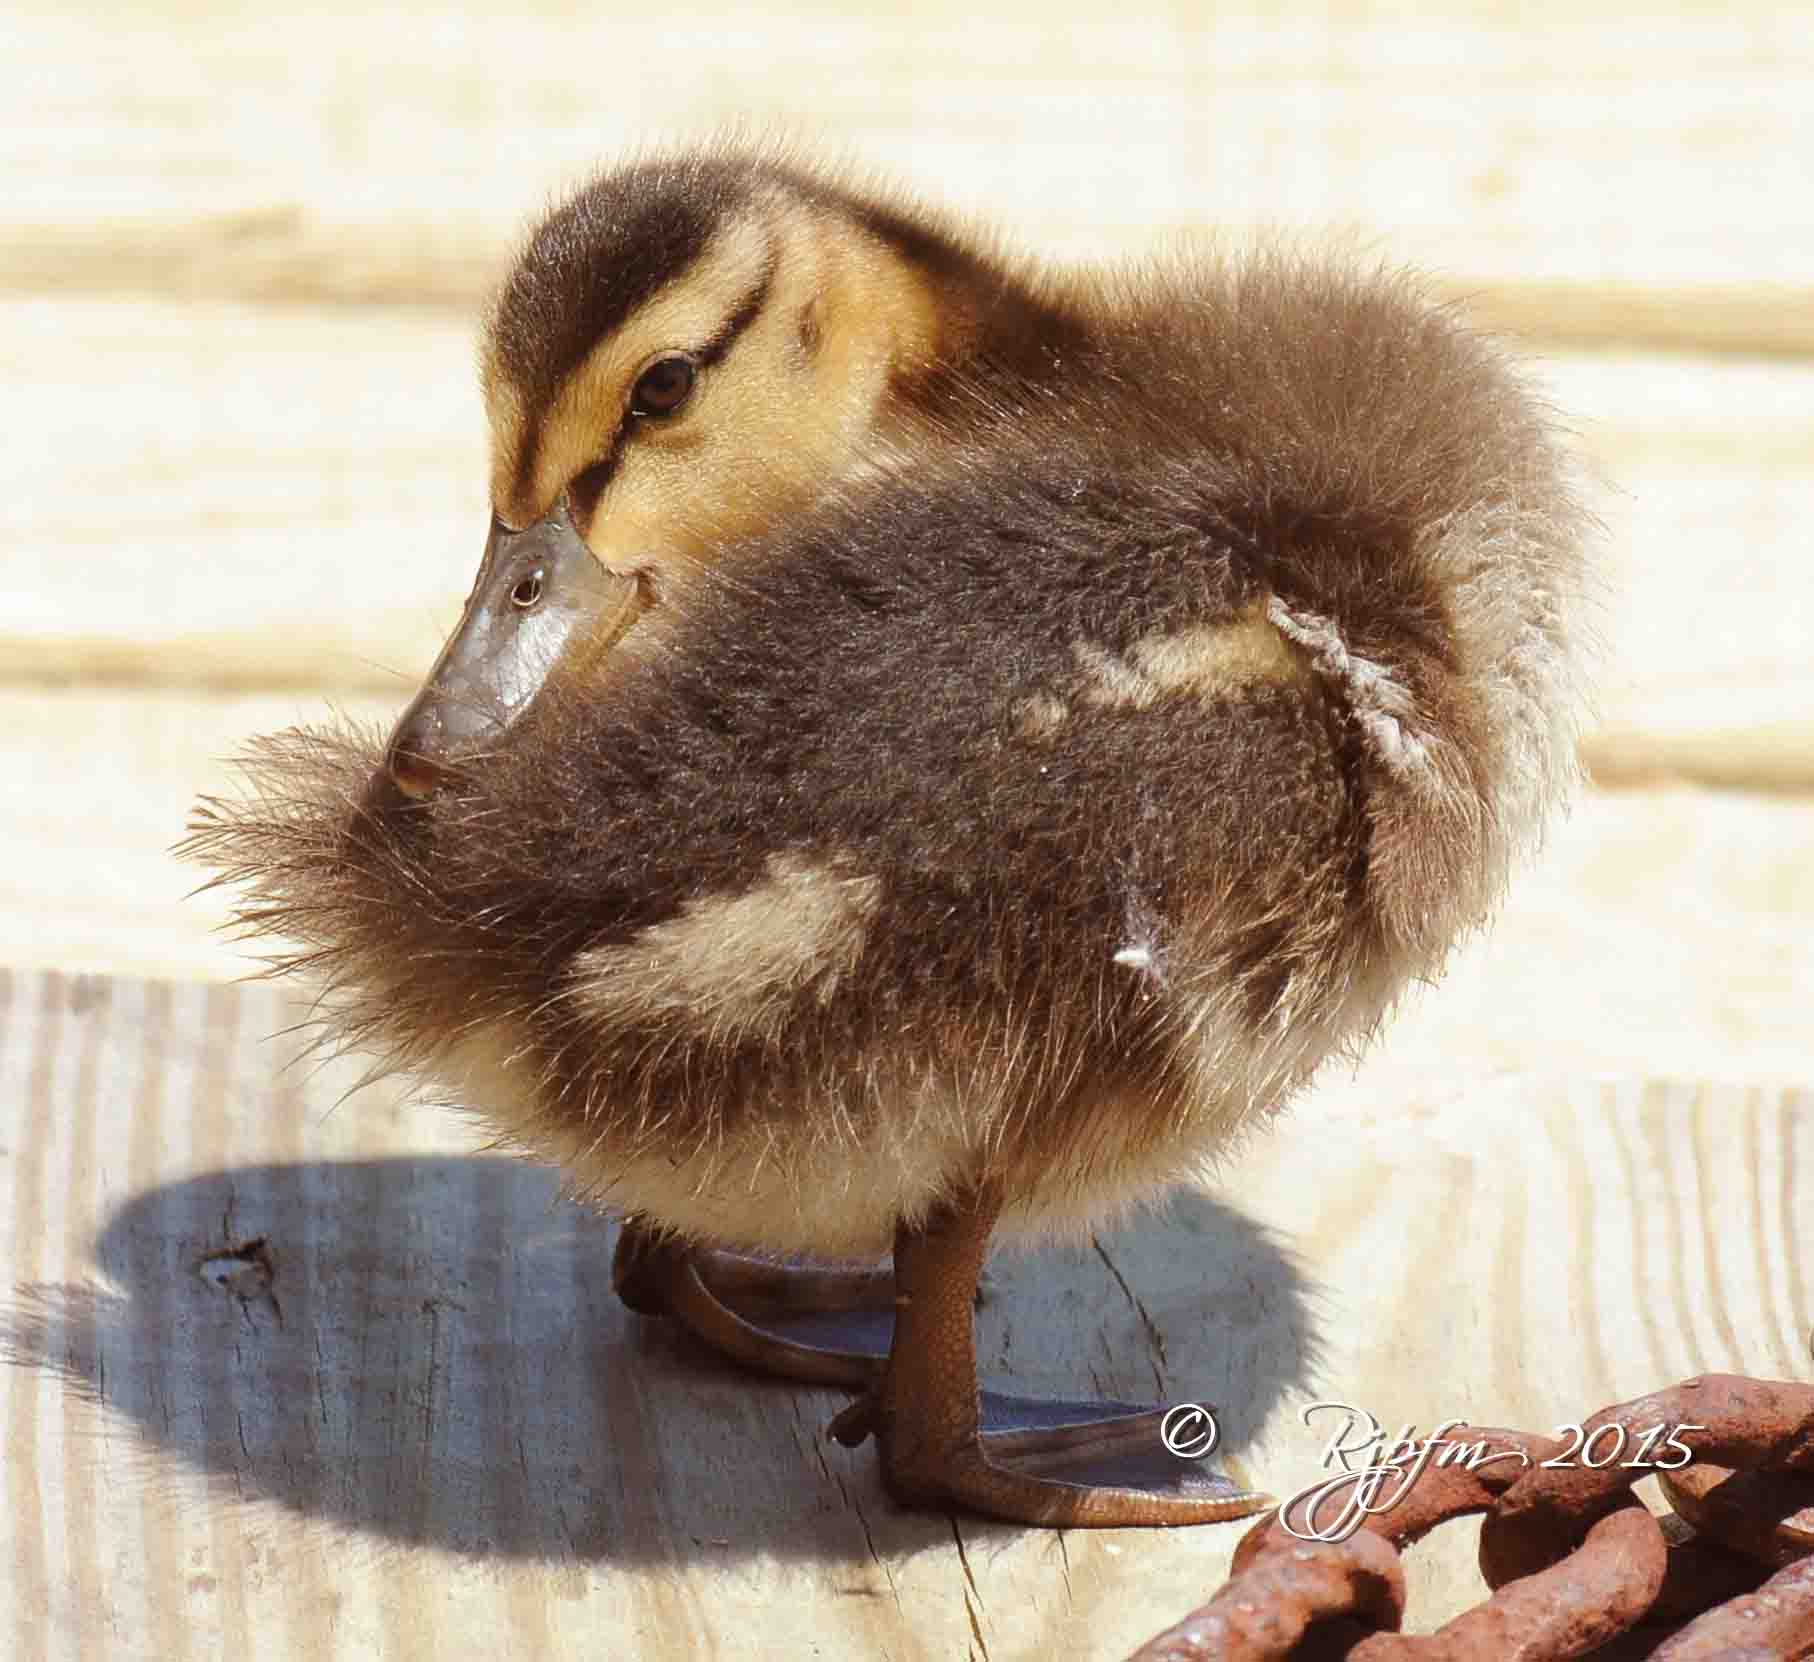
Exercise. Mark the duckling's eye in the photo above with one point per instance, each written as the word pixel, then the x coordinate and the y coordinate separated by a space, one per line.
pixel 528 591
pixel 663 387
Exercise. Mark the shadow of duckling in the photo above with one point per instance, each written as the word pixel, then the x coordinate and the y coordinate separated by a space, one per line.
pixel 428 1350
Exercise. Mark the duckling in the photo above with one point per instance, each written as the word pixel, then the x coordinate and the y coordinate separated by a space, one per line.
pixel 937 746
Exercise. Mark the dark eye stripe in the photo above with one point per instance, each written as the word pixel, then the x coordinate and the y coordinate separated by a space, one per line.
pixel 590 484
pixel 740 319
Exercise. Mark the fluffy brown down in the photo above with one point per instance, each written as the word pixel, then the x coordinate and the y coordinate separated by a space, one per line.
pixel 1042 805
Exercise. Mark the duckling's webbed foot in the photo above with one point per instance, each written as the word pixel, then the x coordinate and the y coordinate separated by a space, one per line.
pixel 815 1323
pixel 1102 1464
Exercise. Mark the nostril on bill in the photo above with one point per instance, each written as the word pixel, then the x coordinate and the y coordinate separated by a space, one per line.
pixel 412 773
pixel 410 756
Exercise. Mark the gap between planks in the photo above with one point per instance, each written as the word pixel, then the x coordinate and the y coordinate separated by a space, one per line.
pixel 280 256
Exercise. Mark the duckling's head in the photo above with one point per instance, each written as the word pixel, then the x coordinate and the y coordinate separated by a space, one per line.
pixel 687 352
pixel 691 347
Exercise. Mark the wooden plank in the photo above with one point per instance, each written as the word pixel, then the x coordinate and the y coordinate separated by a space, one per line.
pixel 416 1413
pixel 99 788
pixel 270 497
pixel 1627 183
pixel 1761 319
pixel 1663 930
pixel 1704 479
pixel 1752 733
pixel 234 496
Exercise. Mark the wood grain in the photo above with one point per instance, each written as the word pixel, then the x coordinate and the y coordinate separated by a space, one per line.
pixel 432 1419
pixel 1706 485
pixel 1595 166
pixel 100 787
pixel 221 495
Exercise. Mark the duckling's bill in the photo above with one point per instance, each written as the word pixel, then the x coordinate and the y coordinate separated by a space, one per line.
pixel 541 598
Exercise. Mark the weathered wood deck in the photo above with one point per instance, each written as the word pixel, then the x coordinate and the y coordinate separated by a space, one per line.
pixel 302 1381
pixel 241 256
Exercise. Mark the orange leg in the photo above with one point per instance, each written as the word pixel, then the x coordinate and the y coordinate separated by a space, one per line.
pixel 1070 1464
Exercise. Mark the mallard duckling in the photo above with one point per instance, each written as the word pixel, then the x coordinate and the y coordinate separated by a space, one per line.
pixel 936 746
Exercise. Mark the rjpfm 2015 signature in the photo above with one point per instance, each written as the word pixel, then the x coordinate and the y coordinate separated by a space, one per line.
pixel 1377 1471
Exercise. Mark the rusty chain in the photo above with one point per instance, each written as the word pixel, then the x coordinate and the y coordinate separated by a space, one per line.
pixel 1572 1557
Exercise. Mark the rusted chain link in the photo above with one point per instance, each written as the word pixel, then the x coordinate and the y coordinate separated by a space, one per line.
pixel 1754 1423
pixel 1775 1621
pixel 1767 1515
pixel 1594 1594
pixel 1265 1612
pixel 1573 1558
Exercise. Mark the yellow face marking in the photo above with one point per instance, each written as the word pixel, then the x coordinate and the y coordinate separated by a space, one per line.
pixel 774 423
pixel 583 419
pixel 508 419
